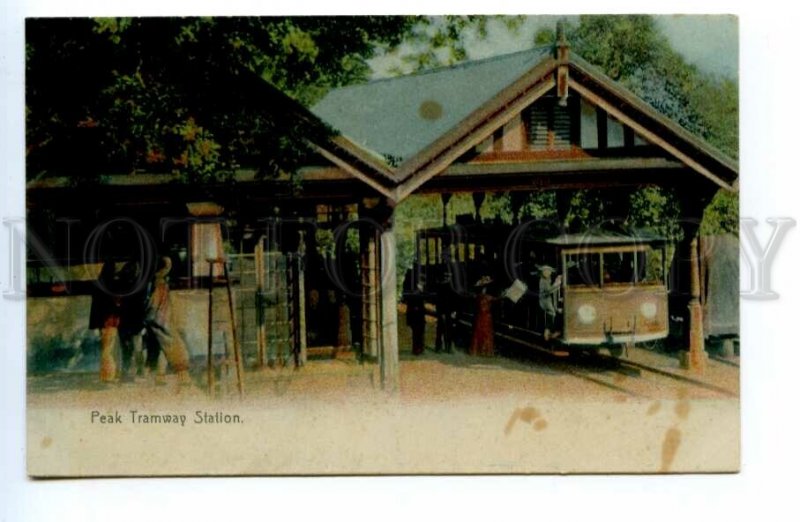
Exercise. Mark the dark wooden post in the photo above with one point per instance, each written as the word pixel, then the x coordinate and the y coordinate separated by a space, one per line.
pixel 301 297
pixel 477 200
pixel 687 287
pixel 445 200
pixel 563 204
pixel 697 351
pixel 517 200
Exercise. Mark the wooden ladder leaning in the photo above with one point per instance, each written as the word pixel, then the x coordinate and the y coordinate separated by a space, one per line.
pixel 237 355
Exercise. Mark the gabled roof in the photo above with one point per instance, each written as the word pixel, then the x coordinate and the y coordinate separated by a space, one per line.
pixel 399 117
pixel 421 123
pixel 641 111
pixel 396 134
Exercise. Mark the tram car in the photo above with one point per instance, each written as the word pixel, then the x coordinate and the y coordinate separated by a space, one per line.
pixel 609 289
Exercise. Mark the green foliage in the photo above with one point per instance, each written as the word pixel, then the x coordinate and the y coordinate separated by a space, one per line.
pixel 654 209
pixel 631 50
pixel 722 215
pixel 437 41
pixel 415 213
pixel 170 94
pixel 113 95
pixel 200 160
pixel 539 205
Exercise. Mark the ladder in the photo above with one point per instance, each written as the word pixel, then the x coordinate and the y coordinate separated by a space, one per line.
pixel 269 296
pixel 236 347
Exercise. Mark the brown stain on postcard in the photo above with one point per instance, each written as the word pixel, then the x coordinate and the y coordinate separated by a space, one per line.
pixel 672 440
pixel 528 415
pixel 653 409
pixel 431 110
pixel 682 408
pixel 46 442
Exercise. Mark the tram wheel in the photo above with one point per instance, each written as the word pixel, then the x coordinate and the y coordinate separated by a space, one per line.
pixel 615 351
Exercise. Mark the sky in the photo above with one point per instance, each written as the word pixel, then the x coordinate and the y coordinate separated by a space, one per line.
pixel 711 42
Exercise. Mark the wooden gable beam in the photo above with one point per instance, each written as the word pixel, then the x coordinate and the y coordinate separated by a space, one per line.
pixel 345 166
pixel 474 137
pixel 647 134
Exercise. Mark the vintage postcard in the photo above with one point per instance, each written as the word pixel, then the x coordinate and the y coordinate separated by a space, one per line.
pixel 382 245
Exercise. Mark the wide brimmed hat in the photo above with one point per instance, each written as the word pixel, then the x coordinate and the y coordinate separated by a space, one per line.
pixel 485 280
pixel 546 268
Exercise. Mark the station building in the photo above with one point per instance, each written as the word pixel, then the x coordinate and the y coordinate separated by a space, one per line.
pixel 536 120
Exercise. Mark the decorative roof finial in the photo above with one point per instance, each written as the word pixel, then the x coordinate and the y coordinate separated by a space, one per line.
pixel 562 45
pixel 562 57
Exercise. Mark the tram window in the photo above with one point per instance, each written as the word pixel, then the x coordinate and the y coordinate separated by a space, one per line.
pixel 650 266
pixel 618 267
pixel 431 246
pixel 583 269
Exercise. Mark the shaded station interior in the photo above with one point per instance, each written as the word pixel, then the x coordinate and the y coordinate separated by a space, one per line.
pixel 538 120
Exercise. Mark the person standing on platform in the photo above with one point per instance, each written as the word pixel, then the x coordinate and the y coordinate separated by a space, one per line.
pixel 133 304
pixel 415 311
pixel 158 334
pixel 483 330
pixel 104 315
pixel 445 314
pixel 548 292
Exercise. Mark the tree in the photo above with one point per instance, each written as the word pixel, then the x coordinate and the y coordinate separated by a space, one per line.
pixel 175 94
pixel 632 51
pixel 437 41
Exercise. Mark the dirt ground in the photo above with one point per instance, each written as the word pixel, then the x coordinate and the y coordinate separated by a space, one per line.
pixel 428 377
pixel 454 413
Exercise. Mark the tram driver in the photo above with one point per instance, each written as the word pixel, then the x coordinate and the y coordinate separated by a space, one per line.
pixel 548 300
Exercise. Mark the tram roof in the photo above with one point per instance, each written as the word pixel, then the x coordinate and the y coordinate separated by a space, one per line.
pixel 605 239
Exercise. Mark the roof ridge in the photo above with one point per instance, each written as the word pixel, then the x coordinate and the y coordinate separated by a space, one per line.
pixel 442 68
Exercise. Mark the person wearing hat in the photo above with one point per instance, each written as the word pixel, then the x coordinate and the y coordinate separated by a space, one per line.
pixel 483 330
pixel 158 336
pixel 445 313
pixel 548 291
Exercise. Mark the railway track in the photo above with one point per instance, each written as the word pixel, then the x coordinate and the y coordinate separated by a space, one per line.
pixel 724 361
pixel 560 365
pixel 617 374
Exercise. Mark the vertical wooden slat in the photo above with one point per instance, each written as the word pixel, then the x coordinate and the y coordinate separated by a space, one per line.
pixel 261 335
pixel 364 256
pixel 627 136
pixel 210 366
pixel 291 281
pixel 237 349
pixel 575 119
pixel 389 349
pixel 602 129
pixel 372 297
pixel 301 307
